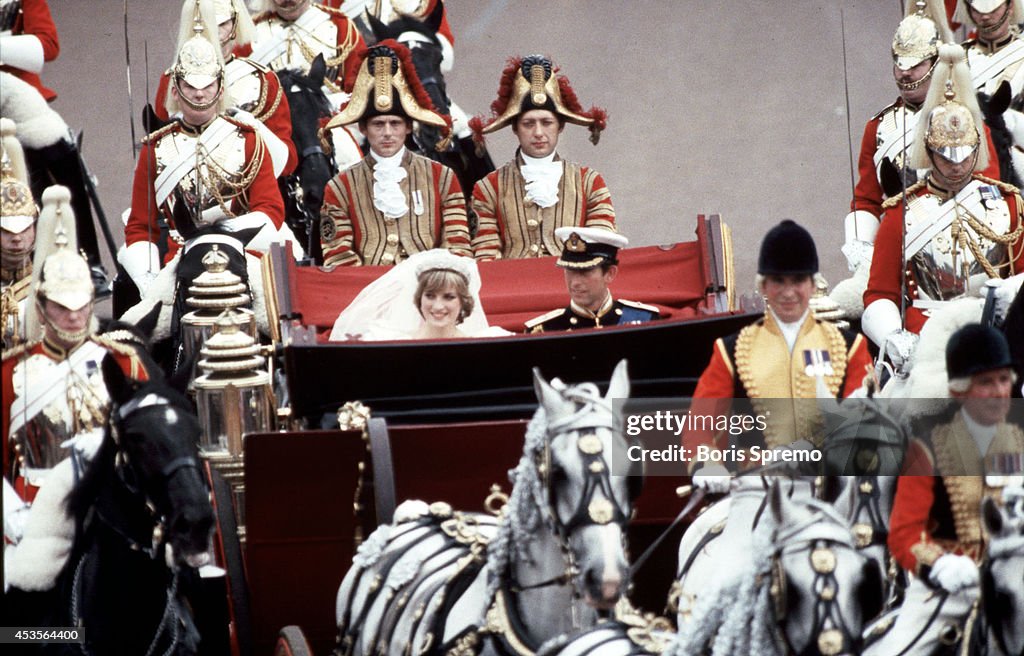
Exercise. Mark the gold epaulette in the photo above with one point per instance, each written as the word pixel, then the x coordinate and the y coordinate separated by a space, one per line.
pixel 898 198
pixel 639 306
pixel 16 351
pixel 547 316
pixel 882 112
pixel 1003 186
pixel 153 136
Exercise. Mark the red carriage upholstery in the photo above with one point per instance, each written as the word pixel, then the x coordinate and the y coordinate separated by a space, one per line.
pixel 675 278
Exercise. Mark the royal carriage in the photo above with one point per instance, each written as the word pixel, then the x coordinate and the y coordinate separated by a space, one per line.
pixel 446 420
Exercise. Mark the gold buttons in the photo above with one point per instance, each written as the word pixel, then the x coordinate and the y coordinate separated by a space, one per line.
pixel 392 239
pixel 534 248
pixel 532 223
pixel 388 258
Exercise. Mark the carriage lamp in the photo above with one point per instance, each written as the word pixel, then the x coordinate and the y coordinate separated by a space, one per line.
pixel 234 397
pixel 211 293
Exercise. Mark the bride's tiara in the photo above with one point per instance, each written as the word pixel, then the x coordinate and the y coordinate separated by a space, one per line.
pixel 441 259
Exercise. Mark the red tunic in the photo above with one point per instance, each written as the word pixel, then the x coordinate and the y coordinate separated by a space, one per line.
pixel 721 382
pixel 35 19
pixel 937 508
pixel 884 281
pixel 262 194
pixel 349 41
pixel 425 10
pixel 272 109
pixel 868 195
pixel 509 227
pixel 354 231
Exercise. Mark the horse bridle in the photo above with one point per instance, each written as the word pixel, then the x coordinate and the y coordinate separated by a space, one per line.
pixel 996 552
pixel 171 621
pixel 822 557
pixel 125 473
pixel 589 511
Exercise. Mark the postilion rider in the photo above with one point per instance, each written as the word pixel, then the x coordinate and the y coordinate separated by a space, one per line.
pixel 590 263
pixel 789 354
pixel 935 530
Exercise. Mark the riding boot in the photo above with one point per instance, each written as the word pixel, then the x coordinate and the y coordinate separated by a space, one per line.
pixel 59 163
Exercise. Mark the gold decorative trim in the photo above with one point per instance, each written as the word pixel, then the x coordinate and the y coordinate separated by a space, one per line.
pixel 270 298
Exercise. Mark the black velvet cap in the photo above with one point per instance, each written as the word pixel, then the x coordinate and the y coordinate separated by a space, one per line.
pixel 788 249
pixel 975 349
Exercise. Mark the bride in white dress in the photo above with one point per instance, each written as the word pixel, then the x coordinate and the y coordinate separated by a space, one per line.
pixel 432 295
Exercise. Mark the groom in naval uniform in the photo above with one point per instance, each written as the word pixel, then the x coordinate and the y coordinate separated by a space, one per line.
pixel 589 260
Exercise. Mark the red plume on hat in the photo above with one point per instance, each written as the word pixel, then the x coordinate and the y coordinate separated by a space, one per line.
pixel 533 83
pixel 362 83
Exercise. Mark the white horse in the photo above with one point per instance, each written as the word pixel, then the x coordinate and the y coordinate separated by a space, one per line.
pixel 799 586
pixel 993 625
pixel 996 627
pixel 440 580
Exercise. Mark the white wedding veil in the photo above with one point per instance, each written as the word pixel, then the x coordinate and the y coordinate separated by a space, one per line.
pixel 386 309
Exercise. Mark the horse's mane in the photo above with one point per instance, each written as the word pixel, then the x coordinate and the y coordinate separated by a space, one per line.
pixel 737 616
pixel 403 24
pixel 293 76
pixel 522 513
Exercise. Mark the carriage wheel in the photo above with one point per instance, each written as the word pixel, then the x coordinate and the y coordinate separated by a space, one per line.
pixel 292 642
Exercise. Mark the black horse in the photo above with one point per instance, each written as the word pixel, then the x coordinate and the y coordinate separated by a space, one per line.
pixel 463 156
pixel 141 503
pixel 303 192
pixel 994 109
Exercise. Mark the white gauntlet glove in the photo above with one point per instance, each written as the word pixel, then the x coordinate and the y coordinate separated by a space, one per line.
pixel 713 479
pixel 954 573
pixel 1006 292
pixel 860 228
pixel 899 349
pixel 142 262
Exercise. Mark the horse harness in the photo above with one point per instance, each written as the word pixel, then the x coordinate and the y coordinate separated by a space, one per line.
pixel 173 622
pixel 985 615
pixel 822 557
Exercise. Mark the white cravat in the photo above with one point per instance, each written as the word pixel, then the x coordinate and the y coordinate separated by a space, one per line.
pixel 983 435
pixel 790 331
pixel 387 195
pixel 542 177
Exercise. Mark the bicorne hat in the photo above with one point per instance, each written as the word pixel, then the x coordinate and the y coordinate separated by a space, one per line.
pixel 385 83
pixel 533 82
